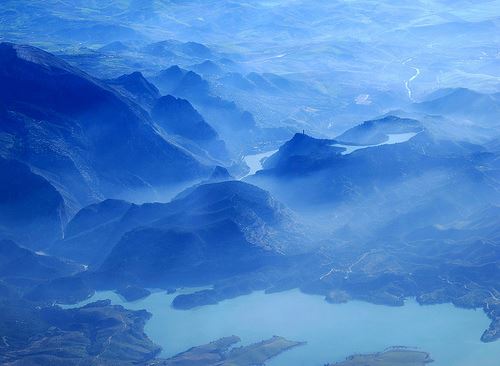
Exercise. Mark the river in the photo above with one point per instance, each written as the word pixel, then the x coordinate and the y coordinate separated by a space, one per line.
pixel 393 138
pixel 254 161
pixel 407 82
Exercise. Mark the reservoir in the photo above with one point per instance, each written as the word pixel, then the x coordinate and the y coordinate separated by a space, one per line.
pixel 332 331
pixel 254 162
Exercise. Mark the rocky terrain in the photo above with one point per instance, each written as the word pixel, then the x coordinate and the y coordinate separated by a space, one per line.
pixel 96 334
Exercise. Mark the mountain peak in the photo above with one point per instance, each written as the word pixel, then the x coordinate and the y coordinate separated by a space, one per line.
pixel 207 68
pixel 301 141
pixel 137 88
pixel 136 75
pixel 220 174
pixel 177 116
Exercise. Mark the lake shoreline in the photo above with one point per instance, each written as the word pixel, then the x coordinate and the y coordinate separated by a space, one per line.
pixel 210 319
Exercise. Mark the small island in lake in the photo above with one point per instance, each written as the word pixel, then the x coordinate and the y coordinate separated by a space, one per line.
pixel 133 293
pixel 223 353
pixel 396 356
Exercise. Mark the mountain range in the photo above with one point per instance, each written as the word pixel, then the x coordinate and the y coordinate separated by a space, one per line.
pixel 198 233
pixel 81 135
pixel 85 139
pixel 176 155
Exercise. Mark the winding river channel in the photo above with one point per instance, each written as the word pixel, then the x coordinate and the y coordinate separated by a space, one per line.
pixel 408 82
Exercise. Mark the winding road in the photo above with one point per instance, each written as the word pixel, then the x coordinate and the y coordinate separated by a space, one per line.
pixel 349 269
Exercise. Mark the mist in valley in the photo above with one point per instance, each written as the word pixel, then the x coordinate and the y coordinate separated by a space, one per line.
pixel 233 182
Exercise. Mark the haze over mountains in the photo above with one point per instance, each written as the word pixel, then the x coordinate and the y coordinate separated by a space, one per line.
pixel 213 149
pixel 91 117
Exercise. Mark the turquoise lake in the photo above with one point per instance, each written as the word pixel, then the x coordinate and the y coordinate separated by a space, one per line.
pixel 332 331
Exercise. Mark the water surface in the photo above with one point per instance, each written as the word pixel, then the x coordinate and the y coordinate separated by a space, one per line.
pixel 333 332
pixel 392 138
pixel 254 161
